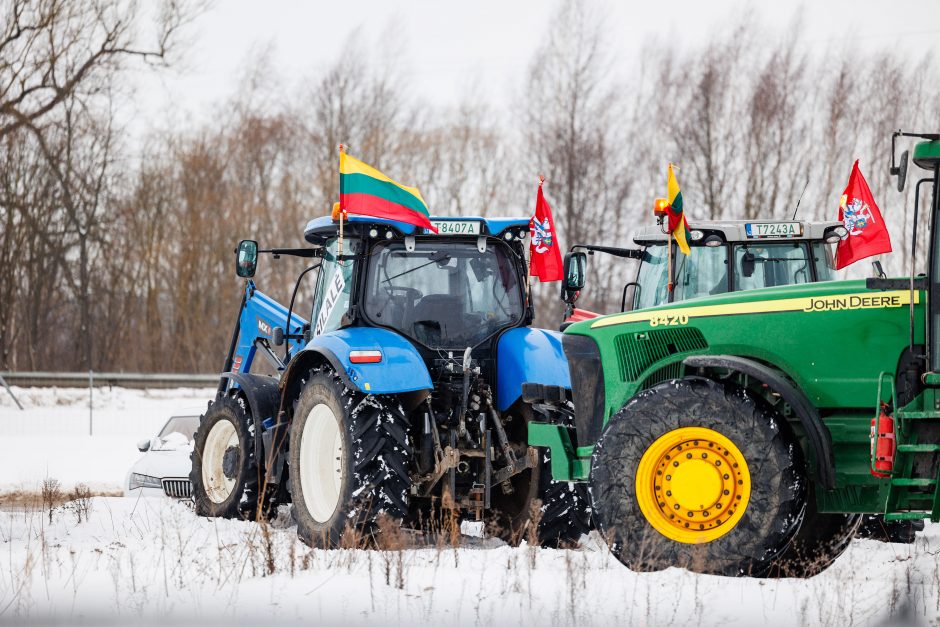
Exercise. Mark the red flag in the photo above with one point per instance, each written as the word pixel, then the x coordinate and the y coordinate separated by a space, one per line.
pixel 543 246
pixel 868 233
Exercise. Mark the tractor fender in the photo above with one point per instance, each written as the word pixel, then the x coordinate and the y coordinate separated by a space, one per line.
pixel 526 355
pixel 400 370
pixel 819 438
pixel 263 398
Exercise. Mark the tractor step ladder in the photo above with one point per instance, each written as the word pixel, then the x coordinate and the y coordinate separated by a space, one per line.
pixel 908 497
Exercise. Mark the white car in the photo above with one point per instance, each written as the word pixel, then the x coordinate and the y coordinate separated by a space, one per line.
pixel 163 469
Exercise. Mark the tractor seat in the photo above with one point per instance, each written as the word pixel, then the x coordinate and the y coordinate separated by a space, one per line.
pixel 432 315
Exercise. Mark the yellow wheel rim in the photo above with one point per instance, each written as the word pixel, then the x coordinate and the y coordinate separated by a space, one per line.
pixel 693 485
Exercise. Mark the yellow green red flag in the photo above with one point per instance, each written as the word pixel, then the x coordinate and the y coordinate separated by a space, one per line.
pixel 363 190
pixel 678 225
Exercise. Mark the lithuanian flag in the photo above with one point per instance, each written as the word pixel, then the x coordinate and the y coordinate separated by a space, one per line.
pixel 365 191
pixel 677 222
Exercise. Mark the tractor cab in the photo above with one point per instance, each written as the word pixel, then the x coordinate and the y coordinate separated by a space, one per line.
pixel 450 291
pixel 726 256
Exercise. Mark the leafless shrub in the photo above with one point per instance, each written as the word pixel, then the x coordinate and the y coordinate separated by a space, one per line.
pixel 80 502
pixel 51 495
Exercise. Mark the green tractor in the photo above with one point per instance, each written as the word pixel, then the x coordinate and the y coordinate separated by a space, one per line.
pixel 746 433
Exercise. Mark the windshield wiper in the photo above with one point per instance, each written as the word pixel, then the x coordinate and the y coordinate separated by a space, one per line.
pixel 435 258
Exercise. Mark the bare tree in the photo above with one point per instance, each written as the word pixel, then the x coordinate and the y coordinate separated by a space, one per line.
pixel 54 48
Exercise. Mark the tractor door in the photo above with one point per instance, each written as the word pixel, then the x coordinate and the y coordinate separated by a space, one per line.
pixel 335 285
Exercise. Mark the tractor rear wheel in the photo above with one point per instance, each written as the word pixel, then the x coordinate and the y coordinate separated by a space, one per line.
pixel 566 511
pixel 224 473
pixel 821 539
pixel 349 463
pixel 513 504
pixel 697 474
pixel 875 527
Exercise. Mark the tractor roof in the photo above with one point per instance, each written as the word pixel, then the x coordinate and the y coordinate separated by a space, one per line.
pixel 320 229
pixel 737 230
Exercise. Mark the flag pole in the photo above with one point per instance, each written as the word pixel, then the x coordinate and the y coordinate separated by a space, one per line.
pixel 528 273
pixel 669 262
pixel 339 248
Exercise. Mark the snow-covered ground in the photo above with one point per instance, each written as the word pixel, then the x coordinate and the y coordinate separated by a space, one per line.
pixel 152 560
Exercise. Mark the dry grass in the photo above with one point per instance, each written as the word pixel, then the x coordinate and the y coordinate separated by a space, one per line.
pixel 34 499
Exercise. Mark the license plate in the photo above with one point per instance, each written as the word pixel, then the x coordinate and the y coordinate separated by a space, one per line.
pixel 773 229
pixel 457 227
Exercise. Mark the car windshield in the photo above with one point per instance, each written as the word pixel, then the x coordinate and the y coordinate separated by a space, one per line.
pixel 184 425
pixel 443 294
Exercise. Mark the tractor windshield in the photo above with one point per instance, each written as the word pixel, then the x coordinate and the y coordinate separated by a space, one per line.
pixel 443 294
pixel 770 265
pixel 705 270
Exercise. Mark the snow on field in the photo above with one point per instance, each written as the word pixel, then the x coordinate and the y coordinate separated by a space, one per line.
pixel 152 560
pixel 50 437
pixel 155 560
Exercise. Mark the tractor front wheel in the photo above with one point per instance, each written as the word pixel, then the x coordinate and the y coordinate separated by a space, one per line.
pixel 349 461
pixel 224 472
pixel 697 474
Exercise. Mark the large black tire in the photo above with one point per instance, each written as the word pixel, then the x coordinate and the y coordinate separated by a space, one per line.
pixel 566 505
pixel 566 509
pixel 225 475
pixel 875 527
pixel 821 539
pixel 777 493
pixel 372 452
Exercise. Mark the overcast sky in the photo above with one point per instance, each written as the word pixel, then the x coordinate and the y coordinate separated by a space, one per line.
pixel 485 44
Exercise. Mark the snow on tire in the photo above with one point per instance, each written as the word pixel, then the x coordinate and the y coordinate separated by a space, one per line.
pixel 349 460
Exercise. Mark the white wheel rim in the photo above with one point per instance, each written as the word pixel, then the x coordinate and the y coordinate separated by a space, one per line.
pixel 221 437
pixel 321 459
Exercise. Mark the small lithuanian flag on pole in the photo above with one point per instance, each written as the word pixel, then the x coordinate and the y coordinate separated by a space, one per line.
pixel 677 222
pixel 365 191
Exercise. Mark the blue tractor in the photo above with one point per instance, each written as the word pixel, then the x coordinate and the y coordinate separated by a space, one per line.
pixel 408 392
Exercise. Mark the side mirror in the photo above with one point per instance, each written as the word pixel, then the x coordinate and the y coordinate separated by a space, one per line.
pixel 748 264
pixel 246 261
pixel 573 282
pixel 144 445
pixel 902 171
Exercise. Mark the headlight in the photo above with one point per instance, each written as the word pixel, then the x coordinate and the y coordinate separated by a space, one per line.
pixel 143 481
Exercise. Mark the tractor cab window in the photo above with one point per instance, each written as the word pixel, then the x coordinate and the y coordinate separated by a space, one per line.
pixel 701 273
pixel 825 262
pixel 334 285
pixel 770 265
pixel 443 294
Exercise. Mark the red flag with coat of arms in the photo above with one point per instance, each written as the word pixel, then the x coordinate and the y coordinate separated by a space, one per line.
pixel 868 233
pixel 544 250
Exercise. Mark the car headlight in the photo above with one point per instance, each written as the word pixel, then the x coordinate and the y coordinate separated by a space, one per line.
pixel 143 481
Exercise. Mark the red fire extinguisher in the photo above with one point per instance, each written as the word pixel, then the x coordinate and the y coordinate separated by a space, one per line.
pixel 882 444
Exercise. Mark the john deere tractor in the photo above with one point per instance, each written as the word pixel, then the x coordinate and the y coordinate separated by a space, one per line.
pixel 745 433
pixel 402 395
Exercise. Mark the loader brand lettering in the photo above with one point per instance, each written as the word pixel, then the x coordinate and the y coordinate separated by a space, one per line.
pixel 263 327
pixel 803 304
pixel 333 294
pixel 836 303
